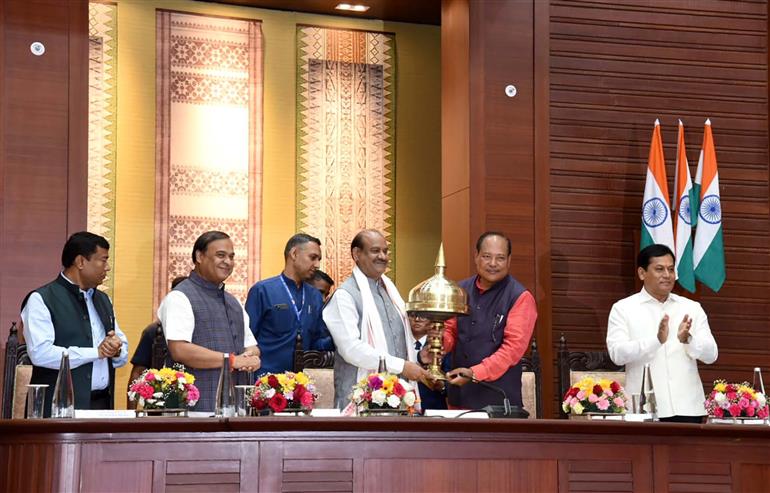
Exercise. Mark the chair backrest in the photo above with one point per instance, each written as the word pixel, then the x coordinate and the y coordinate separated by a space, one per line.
pixel 595 363
pixel 311 359
pixel 319 367
pixel 21 379
pixel 159 348
pixel 323 378
pixel 9 372
pixel 531 383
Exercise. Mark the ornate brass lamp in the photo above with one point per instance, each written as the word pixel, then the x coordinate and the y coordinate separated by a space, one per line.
pixel 438 299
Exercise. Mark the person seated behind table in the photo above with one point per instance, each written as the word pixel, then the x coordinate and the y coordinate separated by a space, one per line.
pixel 142 358
pixel 323 283
pixel 429 398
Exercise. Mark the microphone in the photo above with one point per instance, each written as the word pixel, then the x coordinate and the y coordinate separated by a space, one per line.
pixel 504 411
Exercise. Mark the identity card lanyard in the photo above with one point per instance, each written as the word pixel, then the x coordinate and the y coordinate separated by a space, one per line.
pixel 297 311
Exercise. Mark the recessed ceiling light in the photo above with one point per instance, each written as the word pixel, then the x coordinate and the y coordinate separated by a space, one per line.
pixel 352 8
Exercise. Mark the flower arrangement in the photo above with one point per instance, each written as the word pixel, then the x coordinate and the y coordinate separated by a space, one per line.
pixel 383 391
pixel 166 388
pixel 289 390
pixel 602 396
pixel 730 400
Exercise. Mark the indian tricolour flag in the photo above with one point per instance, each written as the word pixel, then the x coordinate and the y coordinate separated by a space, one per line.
pixel 708 250
pixel 656 215
pixel 682 216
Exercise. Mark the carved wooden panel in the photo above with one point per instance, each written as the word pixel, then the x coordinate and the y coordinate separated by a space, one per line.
pixel 592 475
pixel 316 474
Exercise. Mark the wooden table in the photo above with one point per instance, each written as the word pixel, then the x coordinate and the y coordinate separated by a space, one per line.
pixel 273 454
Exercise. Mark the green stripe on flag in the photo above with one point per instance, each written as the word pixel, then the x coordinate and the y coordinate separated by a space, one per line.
pixel 711 269
pixel 686 275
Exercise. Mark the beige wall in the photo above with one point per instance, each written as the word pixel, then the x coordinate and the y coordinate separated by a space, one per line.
pixel 418 166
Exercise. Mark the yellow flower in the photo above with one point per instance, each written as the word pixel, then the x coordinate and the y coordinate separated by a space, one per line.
pixel 387 385
pixel 605 383
pixel 586 384
pixel 189 377
pixel 720 386
pixel 263 379
pixel 302 378
pixel 745 388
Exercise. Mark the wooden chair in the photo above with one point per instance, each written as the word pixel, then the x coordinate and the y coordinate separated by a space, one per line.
pixel 17 374
pixel 531 383
pixel 576 365
pixel 319 367
pixel 160 356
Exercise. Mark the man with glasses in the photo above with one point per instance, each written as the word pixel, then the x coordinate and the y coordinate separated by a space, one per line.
pixel 488 344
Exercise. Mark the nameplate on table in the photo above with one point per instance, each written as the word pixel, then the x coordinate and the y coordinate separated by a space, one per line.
pixel 104 413
pixel 455 413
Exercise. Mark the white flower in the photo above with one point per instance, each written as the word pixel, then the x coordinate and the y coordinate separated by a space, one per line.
pixel 409 399
pixel 407 386
pixel 719 398
pixel 182 380
pixel 269 393
pixel 132 395
pixel 394 401
pixel 358 395
pixel 160 403
pixel 378 397
pixel 761 400
pixel 157 395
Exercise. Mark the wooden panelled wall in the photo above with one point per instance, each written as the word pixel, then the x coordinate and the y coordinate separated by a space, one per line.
pixel 43 142
pixel 561 167
pixel 614 68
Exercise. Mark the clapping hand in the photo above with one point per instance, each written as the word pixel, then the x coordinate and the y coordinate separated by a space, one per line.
pixel 683 334
pixel 110 346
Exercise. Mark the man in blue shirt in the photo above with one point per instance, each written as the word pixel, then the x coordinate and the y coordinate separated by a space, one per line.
pixel 282 306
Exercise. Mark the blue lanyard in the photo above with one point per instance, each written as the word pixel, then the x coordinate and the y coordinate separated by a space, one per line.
pixel 297 312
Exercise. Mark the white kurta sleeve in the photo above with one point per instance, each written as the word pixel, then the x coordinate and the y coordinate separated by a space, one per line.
pixel 176 316
pixel 702 346
pixel 342 319
pixel 622 347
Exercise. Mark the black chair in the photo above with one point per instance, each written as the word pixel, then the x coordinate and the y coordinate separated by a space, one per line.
pixel 589 361
pixel 15 354
pixel 531 363
pixel 160 356
pixel 311 359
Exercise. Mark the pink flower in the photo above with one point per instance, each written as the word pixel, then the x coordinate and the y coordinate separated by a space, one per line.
pixel 718 412
pixel 750 412
pixel 573 401
pixel 150 376
pixel 592 398
pixel 603 404
pixel 763 413
pixel 735 410
pixel 743 403
pixel 731 395
pixel 193 394
pixel 375 382
pixel 581 395
pixel 306 399
pixel 608 392
pixel 619 402
pixel 145 391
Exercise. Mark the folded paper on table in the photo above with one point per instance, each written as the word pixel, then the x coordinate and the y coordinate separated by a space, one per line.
pixel 454 413
pixel 104 413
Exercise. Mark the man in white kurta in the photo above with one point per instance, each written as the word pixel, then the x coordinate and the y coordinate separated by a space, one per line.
pixel 638 334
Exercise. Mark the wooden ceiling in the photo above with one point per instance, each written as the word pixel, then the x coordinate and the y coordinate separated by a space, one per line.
pixel 416 11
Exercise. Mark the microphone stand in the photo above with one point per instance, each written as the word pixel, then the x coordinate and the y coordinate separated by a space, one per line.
pixel 504 411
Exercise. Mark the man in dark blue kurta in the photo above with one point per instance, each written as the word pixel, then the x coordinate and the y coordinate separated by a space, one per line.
pixel 287 304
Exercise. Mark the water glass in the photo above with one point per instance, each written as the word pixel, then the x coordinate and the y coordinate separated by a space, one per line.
pixel 36 400
pixel 242 404
pixel 636 404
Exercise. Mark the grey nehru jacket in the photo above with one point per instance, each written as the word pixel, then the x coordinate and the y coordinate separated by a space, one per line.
pixel 392 325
